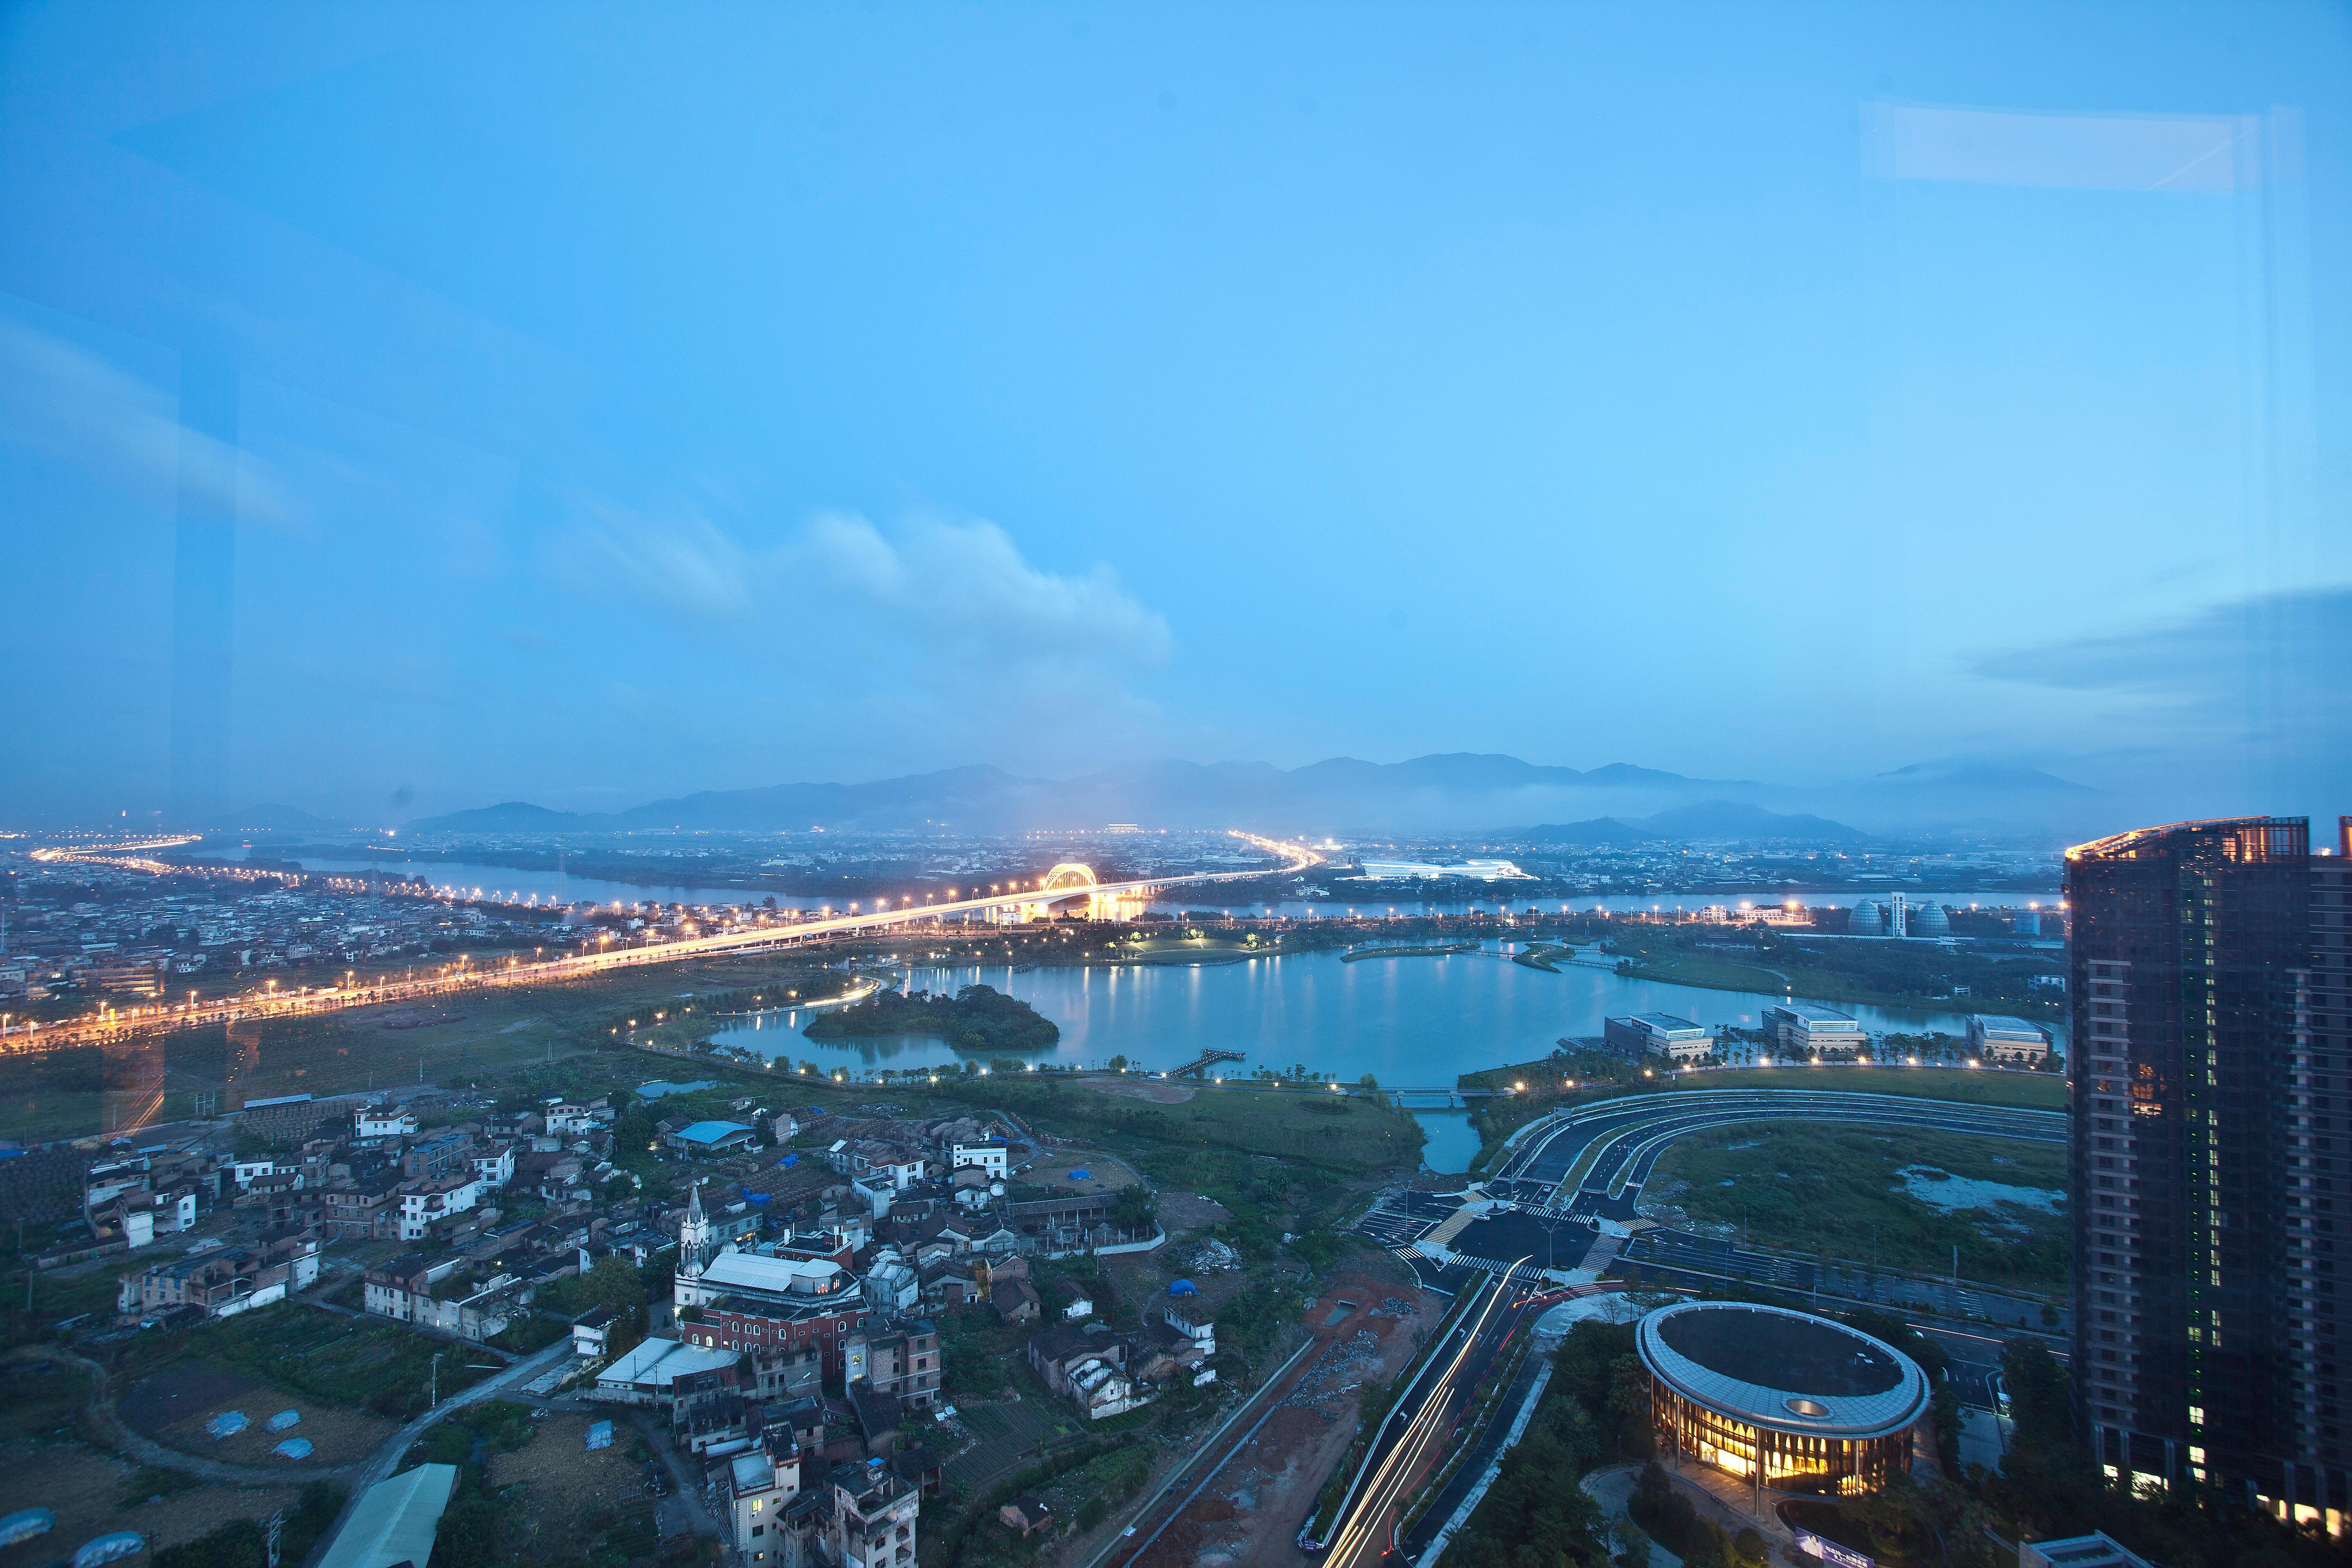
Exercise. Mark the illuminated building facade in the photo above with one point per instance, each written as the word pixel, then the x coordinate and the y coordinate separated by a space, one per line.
pixel 2211 1171
pixel 1780 1398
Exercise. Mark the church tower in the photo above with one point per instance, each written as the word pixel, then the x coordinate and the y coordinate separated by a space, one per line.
pixel 698 1240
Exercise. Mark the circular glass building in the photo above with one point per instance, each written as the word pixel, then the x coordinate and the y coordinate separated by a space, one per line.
pixel 1929 920
pixel 1781 1398
pixel 1868 920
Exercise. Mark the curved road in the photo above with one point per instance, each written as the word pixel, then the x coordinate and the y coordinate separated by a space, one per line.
pixel 1625 1137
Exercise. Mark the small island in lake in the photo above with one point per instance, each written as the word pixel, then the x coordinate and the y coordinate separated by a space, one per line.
pixel 976 1018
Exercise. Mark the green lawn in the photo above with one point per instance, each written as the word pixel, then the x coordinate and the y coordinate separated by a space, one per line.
pixel 1837 1192
pixel 1716 975
pixel 2036 1091
pixel 385 1368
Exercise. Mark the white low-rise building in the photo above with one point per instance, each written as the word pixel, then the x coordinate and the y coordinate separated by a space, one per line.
pixel 642 1376
pixel 1472 870
pixel 1806 1031
pixel 2007 1042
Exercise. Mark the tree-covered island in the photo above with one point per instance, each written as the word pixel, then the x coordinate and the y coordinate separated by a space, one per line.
pixel 976 1018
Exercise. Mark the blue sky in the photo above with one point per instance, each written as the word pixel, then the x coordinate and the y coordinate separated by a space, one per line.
pixel 636 400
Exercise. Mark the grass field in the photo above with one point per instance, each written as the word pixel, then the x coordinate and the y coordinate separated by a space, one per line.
pixel 2034 1090
pixel 478 1034
pixel 378 1365
pixel 1840 1193
pixel 1717 975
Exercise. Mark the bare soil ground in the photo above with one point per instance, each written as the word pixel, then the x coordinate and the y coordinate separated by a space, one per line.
pixel 1157 1093
pixel 1249 1517
pixel 88 1491
pixel 569 1492
pixel 1103 1172
pixel 173 1406
pixel 407 1017
pixel 1184 1212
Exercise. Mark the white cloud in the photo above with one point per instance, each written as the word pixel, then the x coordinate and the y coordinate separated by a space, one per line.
pixel 60 399
pixel 683 564
pixel 965 587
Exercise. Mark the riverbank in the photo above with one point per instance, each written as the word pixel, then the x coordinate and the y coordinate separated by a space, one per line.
pixel 1807 985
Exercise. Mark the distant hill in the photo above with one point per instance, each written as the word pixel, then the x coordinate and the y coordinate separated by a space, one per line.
pixel 512 817
pixel 1704 819
pixel 1447 793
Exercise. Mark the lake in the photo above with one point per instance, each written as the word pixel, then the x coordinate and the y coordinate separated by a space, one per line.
pixel 1413 1023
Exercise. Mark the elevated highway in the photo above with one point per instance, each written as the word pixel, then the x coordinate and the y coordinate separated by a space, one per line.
pixel 766 932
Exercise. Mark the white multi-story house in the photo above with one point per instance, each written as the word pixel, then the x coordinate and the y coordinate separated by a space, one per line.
pixel 872 1522
pixel 565 1118
pixel 891 1284
pixel 758 1485
pixel 243 1171
pixel 1202 1332
pixel 493 1167
pixel 412 1289
pixel 990 1154
pixel 423 1203
pixel 385 1121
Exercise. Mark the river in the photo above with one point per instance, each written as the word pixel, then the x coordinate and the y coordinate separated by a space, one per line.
pixel 468 880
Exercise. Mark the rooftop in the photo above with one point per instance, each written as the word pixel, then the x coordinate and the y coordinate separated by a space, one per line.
pixel 711 1132
pixel 1813 1015
pixel 1790 1371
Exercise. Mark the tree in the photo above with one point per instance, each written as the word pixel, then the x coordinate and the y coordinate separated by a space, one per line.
pixel 634 1134
pixel 1133 1208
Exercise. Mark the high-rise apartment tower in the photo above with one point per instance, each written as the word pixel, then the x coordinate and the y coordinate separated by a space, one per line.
pixel 2212 1084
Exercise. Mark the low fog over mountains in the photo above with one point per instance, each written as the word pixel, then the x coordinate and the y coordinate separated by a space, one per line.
pixel 1463 792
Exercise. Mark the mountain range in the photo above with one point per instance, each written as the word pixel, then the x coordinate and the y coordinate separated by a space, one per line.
pixel 1459 792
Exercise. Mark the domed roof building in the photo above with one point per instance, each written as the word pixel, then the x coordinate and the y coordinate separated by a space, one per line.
pixel 1781 1398
pixel 1867 919
pixel 1929 920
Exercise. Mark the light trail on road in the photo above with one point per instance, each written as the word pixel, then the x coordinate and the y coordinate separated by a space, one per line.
pixel 113 1023
pixel 1385 1487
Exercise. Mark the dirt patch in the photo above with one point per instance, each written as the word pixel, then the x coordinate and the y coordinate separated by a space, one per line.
pixel 1250 1515
pixel 1103 1172
pixel 1181 1214
pixel 89 1490
pixel 570 1495
pixel 1130 1089
pixel 412 1018
pixel 173 1407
